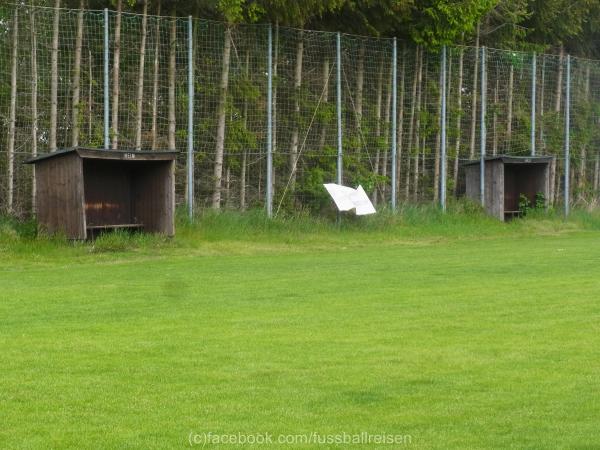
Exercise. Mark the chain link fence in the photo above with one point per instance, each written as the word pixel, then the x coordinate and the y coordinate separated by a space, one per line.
pixel 53 96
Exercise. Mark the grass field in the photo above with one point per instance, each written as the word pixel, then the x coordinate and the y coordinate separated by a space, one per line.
pixel 450 331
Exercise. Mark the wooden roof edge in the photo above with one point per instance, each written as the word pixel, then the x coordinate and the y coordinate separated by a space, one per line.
pixel 514 159
pixel 100 153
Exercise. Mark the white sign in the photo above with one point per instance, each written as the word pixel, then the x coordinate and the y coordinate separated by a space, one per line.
pixel 346 199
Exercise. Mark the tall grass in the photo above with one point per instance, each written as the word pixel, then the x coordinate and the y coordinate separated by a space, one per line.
pixel 462 220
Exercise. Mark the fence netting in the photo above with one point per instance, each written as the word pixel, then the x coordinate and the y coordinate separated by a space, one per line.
pixel 52 94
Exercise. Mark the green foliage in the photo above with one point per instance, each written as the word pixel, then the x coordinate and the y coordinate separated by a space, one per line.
pixel 297 13
pixel 237 11
pixel 524 204
pixel 434 23
pixel 540 201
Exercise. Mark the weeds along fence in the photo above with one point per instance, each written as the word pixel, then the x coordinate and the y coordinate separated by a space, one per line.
pixel 271 113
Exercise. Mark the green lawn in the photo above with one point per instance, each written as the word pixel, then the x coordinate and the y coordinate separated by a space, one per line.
pixel 453 338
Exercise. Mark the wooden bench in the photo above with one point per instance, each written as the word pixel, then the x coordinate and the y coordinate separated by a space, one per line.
pixel 512 214
pixel 93 230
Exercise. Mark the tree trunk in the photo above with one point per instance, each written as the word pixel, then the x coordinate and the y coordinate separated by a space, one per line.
pixel 596 174
pixel 541 107
pixel 90 119
pixel 438 142
pixel 495 116
pixel 423 146
pixel 274 98
pixel 297 87
pixel 221 110
pixel 449 92
pixel 557 181
pixel 34 107
pixel 581 175
pixel 116 77
pixel 360 77
pixel 295 133
pixel 172 80
pixel 155 74
pixel 559 77
pixel 243 181
pixel 227 186
pixel 509 113
pixel 400 127
pixel 407 177
pixel 423 102
pixel 54 78
pixel 386 136
pixel 324 101
pixel 13 111
pixel 554 178
pixel 461 57
pixel 76 105
pixel 379 97
pixel 411 126
pixel 417 126
pixel 552 175
pixel 140 86
pixel 474 97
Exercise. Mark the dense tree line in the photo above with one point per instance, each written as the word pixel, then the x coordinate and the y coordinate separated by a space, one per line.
pixel 545 25
pixel 63 108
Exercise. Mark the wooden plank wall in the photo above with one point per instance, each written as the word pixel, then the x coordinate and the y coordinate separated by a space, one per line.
pixel 154 195
pixel 59 196
pixel 494 186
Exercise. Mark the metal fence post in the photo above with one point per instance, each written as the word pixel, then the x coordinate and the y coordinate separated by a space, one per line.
pixel 190 138
pixel 338 65
pixel 394 120
pixel 442 186
pixel 269 189
pixel 482 129
pixel 567 136
pixel 106 86
pixel 533 101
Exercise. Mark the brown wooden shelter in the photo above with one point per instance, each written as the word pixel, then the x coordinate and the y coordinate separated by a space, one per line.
pixel 81 191
pixel 506 179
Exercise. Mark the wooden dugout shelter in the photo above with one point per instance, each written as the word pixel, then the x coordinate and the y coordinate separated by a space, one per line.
pixel 82 191
pixel 506 178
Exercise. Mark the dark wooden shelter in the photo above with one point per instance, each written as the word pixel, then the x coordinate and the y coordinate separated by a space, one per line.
pixel 81 191
pixel 506 179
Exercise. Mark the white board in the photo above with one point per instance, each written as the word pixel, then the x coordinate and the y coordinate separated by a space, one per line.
pixel 347 199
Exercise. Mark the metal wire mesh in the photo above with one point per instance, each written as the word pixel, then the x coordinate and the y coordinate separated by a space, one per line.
pixel 52 96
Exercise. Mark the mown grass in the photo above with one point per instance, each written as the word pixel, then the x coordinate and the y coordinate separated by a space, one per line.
pixel 455 330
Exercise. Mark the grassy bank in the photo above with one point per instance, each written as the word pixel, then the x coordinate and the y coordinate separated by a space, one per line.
pixel 231 231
